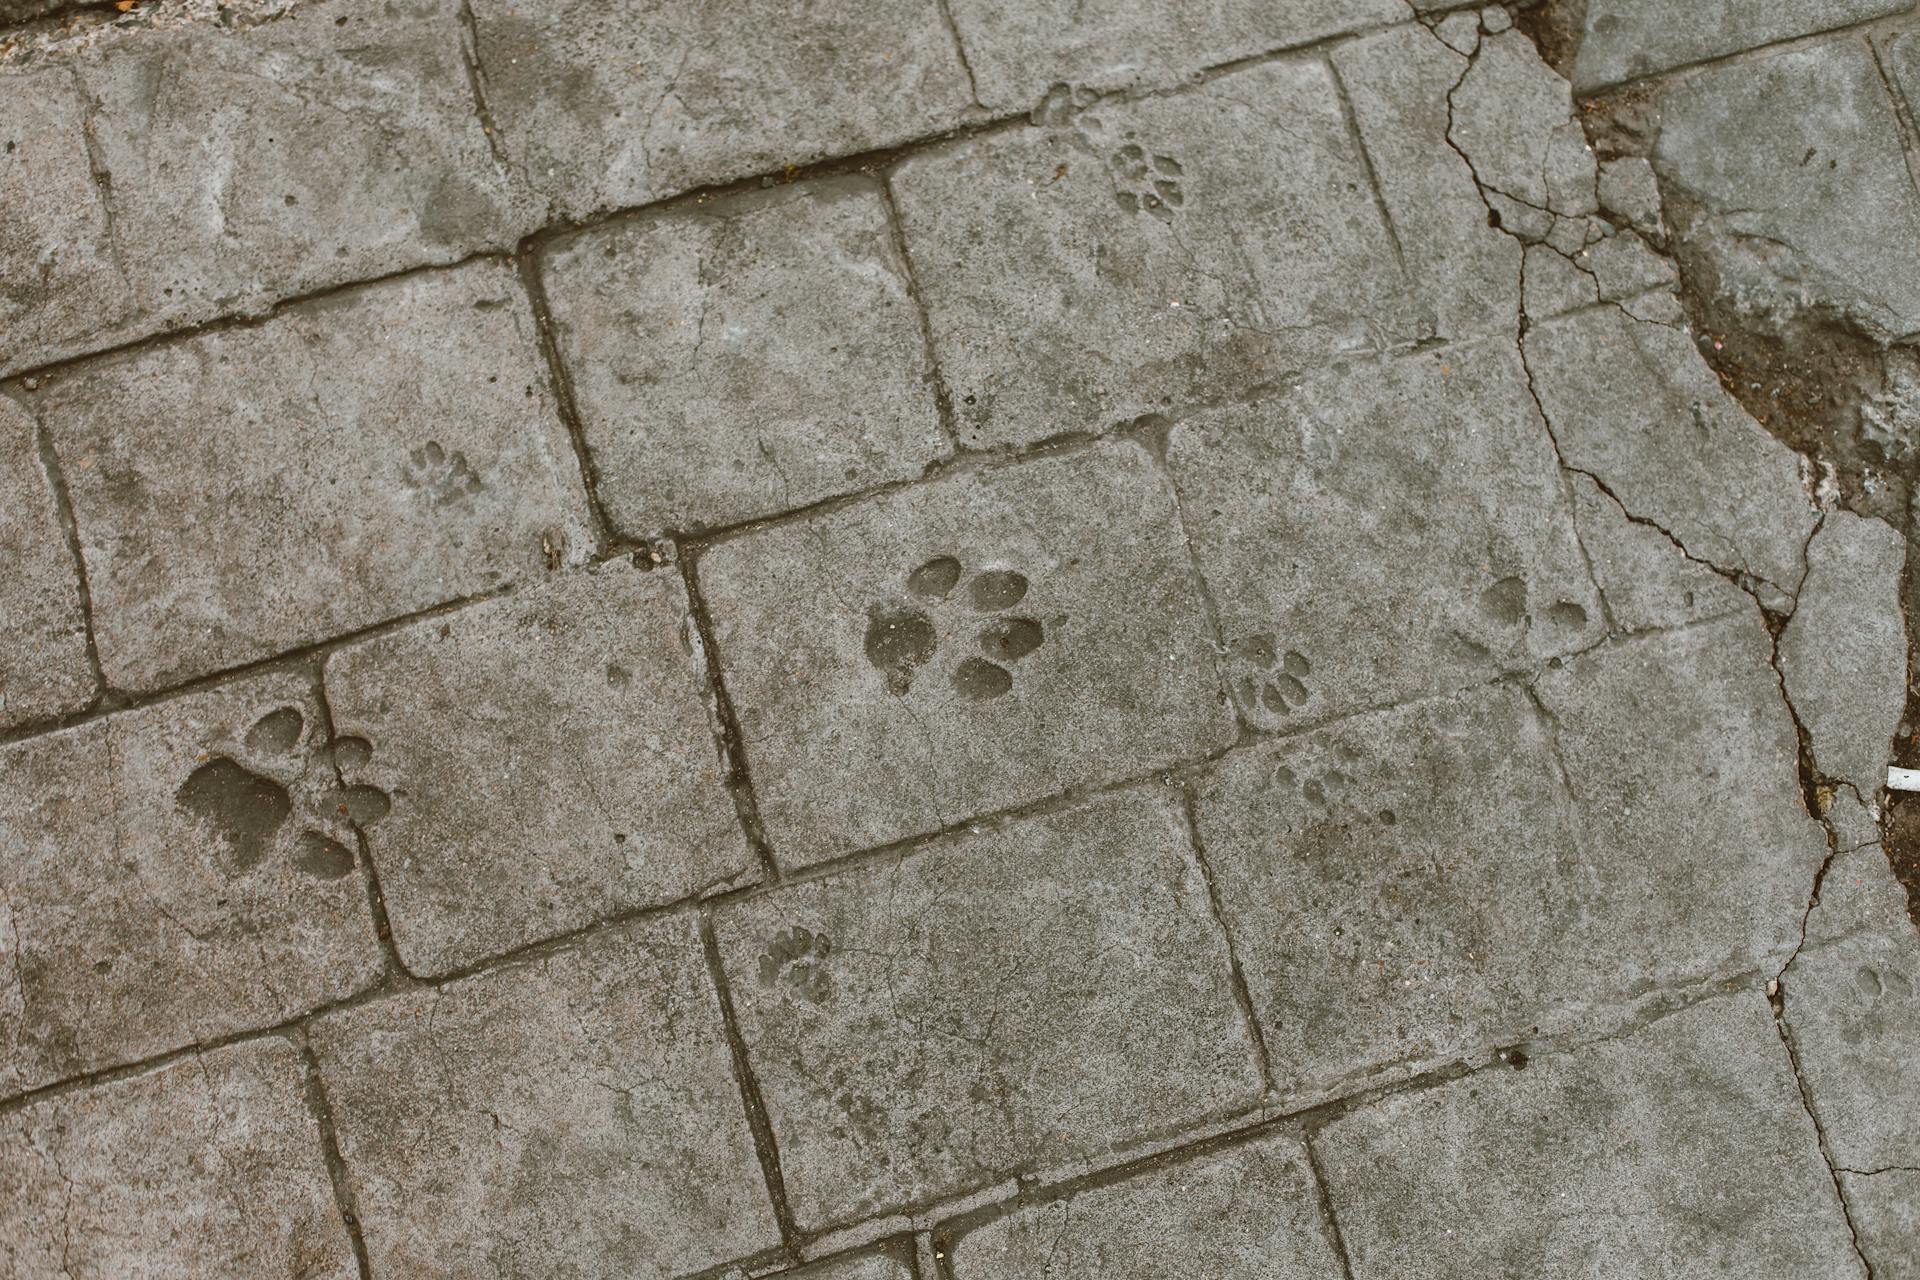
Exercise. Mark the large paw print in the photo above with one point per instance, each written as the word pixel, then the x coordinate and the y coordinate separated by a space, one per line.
pixel 797 959
pixel 1146 182
pixel 1274 681
pixel 901 638
pixel 440 477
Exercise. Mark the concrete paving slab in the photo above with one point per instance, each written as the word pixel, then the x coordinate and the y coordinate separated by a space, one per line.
pixel 742 357
pixel 173 875
pixel 44 669
pixel 573 1115
pixel 1625 39
pixel 252 490
pixel 1885 1209
pixel 930 1023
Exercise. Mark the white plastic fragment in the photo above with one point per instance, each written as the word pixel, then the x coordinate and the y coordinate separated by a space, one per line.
pixel 1903 779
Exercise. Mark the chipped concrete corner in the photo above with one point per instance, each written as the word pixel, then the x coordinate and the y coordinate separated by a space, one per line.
pixel 947 640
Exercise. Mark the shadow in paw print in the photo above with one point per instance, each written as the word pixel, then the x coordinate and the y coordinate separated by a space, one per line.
pixel 1279 682
pixel 797 958
pixel 898 642
pixel 244 809
pixel 901 638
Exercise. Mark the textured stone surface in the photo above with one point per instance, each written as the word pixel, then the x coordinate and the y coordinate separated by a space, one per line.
pixel 926 1025
pixel 744 357
pixel 570 1116
pixel 1622 39
pixel 1131 257
pixel 172 875
pixel 869 1266
pixel 208 1168
pixel 43 636
pixel 1679 1150
pixel 1885 1208
pixel 600 106
pixel 1246 1211
pixel 1378 531
pixel 551 764
pixel 255 489
pixel 1647 580
pixel 963 647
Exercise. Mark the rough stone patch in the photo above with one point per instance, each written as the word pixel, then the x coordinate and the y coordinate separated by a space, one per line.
pixel 1885 1209
pixel 1679 1149
pixel 1018 52
pixel 1383 530
pixel 250 490
pixel 1633 405
pixel 209 1168
pixel 963 647
pixel 174 874
pixel 605 105
pixel 1025 996
pixel 1124 259
pixel 576 1115
pixel 1246 1211
pixel 1623 39
pixel 43 635
pixel 551 763
pixel 1646 579
pixel 744 357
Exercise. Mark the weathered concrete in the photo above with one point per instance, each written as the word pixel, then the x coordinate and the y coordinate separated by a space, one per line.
pixel 1623 39
pixel 44 669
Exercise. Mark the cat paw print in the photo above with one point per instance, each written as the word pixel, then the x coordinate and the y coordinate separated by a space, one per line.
pixel 280 794
pixel 1273 681
pixel 1145 181
pixel 1504 604
pixel 796 958
pixel 901 637
pixel 442 478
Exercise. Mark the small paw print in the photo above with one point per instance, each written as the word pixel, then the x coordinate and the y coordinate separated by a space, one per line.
pixel 797 958
pixel 1146 182
pixel 901 637
pixel 443 478
pixel 1277 683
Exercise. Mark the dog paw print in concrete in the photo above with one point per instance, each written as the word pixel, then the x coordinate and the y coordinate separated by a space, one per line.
pixel 902 636
pixel 1276 681
pixel 796 959
pixel 1145 181
pixel 442 478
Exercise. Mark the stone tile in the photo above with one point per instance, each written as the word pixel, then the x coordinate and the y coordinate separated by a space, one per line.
pixel 551 764
pixel 43 634
pixel 744 357
pixel 1383 530
pixel 1126 258
pixel 331 144
pixel 571 1116
pixel 1885 1208
pixel 208 1168
pixel 600 106
pixel 1511 117
pixel 1647 580
pixel 1843 654
pixel 1467 273
pixel 1681 1149
pixel 1785 174
pixel 174 874
pixel 1015 997
pixel 963 647
pixel 1624 39
pixel 250 490
pixel 63 280
pixel 1246 1211
pixel 1018 52
pixel 1633 405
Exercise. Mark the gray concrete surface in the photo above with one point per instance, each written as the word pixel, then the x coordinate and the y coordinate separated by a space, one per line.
pixel 948 640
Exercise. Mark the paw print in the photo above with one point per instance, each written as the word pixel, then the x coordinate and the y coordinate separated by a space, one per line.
pixel 1146 181
pixel 1504 604
pixel 1277 683
pixel 445 479
pixel 901 637
pixel 797 957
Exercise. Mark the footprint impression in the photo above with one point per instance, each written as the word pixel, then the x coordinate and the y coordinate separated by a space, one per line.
pixel 1275 682
pixel 901 637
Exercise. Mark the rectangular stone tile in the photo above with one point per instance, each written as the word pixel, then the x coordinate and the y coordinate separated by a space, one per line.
pixel 551 764
pixel 1148 254
pixel 173 874
pixel 250 490
pixel 43 635
pixel 1247 1211
pixel 1625 39
pixel 1679 1150
pixel 209 1168
pixel 1383 530
pixel 962 647
pixel 606 105
pixel 1018 52
pixel 1885 1209
pixel 571 1116
pixel 1028 995
pixel 743 357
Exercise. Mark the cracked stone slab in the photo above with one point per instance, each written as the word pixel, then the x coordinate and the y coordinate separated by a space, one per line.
pixel 1249 1210
pixel 1885 1208
pixel 44 669
pixel 208 1168
pixel 1633 405
pixel 606 105
pixel 1679 1149
pixel 250 490
pixel 551 764
pixel 1383 530
pixel 574 1115
pixel 1843 654
pixel 963 647
pixel 1777 172
pixel 1511 117
pixel 1647 581
pixel 1625 39
pixel 1150 254
pixel 1032 994
pixel 175 874
pixel 1018 52
pixel 744 357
